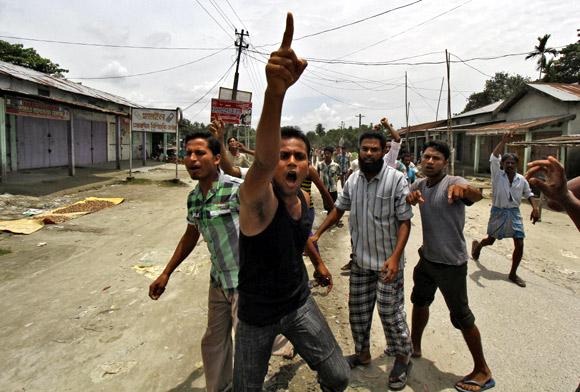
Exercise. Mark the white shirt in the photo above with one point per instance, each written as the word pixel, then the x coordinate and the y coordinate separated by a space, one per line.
pixel 506 195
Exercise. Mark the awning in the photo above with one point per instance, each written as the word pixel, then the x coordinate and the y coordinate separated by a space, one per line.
pixel 560 141
pixel 519 127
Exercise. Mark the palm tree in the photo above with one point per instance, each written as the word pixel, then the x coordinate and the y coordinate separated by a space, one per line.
pixel 540 51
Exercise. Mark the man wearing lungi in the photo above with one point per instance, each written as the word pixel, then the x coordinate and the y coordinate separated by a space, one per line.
pixel 505 221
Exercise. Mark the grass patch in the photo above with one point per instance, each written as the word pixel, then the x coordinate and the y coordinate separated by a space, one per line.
pixel 173 182
pixel 136 181
pixel 4 251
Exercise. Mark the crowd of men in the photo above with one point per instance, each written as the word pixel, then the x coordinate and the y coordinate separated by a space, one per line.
pixel 257 223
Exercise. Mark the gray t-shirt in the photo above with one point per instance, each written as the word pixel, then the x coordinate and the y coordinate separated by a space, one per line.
pixel 443 240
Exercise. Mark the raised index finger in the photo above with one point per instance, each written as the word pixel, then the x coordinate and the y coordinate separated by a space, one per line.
pixel 289 32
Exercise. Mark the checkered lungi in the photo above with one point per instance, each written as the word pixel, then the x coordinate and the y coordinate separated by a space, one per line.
pixel 505 223
pixel 366 288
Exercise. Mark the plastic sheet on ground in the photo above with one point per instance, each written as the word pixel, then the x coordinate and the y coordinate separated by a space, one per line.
pixel 59 215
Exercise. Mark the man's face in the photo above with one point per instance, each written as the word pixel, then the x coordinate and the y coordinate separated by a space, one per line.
pixel 433 162
pixel 371 156
pixel 292 167
pixel 233 144
pixel 199 160
pixel 327 156
pixel 406 160
pixel 510 166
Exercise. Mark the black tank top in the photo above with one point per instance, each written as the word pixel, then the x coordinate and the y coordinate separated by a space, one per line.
pixel 273 280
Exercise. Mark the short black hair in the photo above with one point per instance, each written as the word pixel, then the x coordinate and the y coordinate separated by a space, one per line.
pixel 438 145
pixel 406 154
pixel 329 149
pixel 212 143
pixel 373 135
pixel 232 137
pixel 509 155
pixel 295 133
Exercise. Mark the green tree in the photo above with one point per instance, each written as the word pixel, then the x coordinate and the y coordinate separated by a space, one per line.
pixel 501 86
pixel 566 68
pixel 29 58
pixel 540 51
pixel 319 130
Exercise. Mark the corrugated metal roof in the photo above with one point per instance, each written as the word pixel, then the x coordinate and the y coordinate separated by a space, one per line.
pixel 560 91
pixel 422 126
pixel 31 75
pixel 484 109
pixel 520 126
pixel 559 141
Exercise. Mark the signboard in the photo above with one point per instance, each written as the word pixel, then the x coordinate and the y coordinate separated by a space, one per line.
pixel 231 112
pixel 154 120
pixel 242 96
pixel 30 108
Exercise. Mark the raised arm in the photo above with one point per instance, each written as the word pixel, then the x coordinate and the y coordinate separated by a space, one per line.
pixel 258 203
pixel 245 149
pixel 316 180
pixel 506 138
pixel 217 128
pixel 391 157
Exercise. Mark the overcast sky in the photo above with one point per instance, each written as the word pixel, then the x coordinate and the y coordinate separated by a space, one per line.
pixel 327 93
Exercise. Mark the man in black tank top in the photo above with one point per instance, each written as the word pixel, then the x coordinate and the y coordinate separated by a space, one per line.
pixel 274 297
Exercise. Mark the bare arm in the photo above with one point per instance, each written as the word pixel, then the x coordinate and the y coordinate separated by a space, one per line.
pixel 498 150
pixel 258 203
pixel 326 198
pixel 184 248
pixel 463 191
pixel 391 265
pixel 246 150
pixel 217 129
pixel 333 216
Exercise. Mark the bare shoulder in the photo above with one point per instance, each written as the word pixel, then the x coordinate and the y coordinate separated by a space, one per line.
pixel 256 213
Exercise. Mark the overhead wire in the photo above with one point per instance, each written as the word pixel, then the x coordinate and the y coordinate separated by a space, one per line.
pixel 236 14
pixel 152 72
pixel 222 14
pixel 211 88
pixel 214 19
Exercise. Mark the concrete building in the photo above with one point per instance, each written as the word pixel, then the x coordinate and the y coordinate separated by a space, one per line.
pixel 539 111
pixel 50 122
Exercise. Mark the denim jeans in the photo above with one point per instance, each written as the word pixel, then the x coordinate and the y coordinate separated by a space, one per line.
pixel 308 331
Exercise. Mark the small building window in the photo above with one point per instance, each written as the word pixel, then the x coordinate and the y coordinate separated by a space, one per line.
pixel 43 92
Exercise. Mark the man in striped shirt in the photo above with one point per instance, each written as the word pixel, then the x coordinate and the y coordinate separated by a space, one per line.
pixel 380 223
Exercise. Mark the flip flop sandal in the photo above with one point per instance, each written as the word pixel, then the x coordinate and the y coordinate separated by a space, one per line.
pixel 482 387
pixel 354 361
pixel 401 372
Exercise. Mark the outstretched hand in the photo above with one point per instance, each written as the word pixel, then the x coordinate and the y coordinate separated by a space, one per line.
pixel 284 67
pixel 389 127
pixel 217 129
pixel 456 192
pixel 555 185
pixel 415 197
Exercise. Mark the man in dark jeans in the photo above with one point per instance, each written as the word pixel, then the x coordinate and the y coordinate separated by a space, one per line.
pixel 274 297
pixel 443 258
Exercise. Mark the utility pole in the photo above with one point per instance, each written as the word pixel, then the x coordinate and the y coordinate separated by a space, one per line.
pixel 407 109
pixel 360 116
pixel 439 100
pixel 449 133
pixel 240 45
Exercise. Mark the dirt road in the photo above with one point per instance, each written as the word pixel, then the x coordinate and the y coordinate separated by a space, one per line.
pixel 76 315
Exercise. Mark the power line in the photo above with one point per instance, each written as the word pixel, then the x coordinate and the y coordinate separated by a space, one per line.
pixel 151 72
pixel 471 66
pixel 348 24
pixel 222 13
pixel 104 45
pixel 214 19
pixel 236 14
pixel 211 88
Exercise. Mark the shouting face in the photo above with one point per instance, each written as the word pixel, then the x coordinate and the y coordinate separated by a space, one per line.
pixel 200 162
pixel 292 167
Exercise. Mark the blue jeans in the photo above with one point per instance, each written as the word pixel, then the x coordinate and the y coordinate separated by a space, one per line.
pixel 308 331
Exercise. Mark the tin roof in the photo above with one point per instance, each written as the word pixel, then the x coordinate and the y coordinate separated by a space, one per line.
pixel 520 126
pixel 484 109
pixel 560 91
pixel 559 141
pixel 33 76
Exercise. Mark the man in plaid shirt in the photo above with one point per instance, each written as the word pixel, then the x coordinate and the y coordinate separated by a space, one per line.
pixel 212 211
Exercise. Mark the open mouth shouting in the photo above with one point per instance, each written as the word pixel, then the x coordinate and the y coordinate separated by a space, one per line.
pixel 291 177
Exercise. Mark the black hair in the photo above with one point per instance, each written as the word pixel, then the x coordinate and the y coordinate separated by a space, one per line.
pixel 406 154
pixel 509 155
pixel 329 149
pixel 232 137
pixel 295 133
pixel 438 145
pixel 212 143
pixel 373 135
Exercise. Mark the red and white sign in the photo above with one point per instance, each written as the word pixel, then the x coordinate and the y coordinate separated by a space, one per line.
pixel 30 108
pixel 231 112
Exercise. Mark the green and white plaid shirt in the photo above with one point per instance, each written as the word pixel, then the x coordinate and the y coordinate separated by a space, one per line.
pixel 217 219
pixel 329 174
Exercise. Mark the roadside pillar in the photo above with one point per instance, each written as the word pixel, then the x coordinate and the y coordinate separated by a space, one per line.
pixel 118 141
pixel 144 147
pixel 3 152
pixel 415 148
pixel 527 149
pixel 13 149
pixel 71 144
pixel 476 154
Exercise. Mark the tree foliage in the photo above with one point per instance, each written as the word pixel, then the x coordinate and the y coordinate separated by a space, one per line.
pixel 29 58
pixel 540 51
pixel 501 86
pixel 566 67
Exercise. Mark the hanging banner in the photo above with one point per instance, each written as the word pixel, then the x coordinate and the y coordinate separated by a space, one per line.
pixel 231 112
pixel 154 120
pixel 30 108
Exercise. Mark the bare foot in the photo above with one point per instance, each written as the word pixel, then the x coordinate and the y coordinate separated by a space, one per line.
pixel 517 280
pixel 475 250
